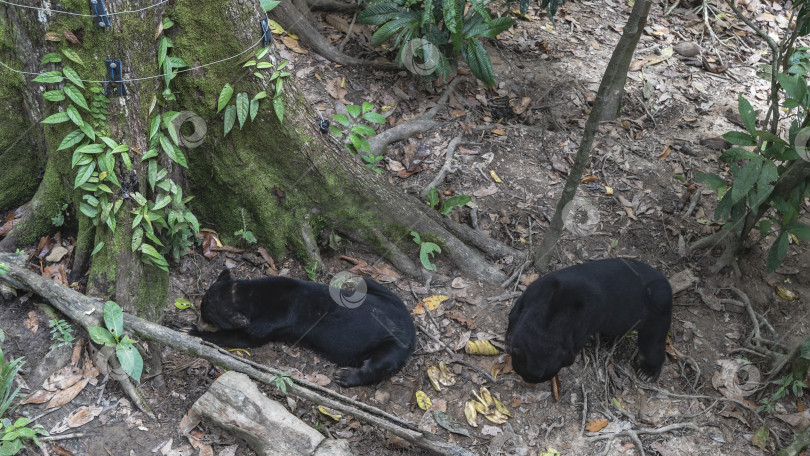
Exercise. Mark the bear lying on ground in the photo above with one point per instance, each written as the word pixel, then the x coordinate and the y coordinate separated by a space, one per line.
pixel 371 332
pixel 558 313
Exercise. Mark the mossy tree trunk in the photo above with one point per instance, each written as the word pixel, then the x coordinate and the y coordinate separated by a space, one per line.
pixel 279 179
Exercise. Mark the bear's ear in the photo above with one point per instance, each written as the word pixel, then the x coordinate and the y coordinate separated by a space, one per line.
pixel 224 276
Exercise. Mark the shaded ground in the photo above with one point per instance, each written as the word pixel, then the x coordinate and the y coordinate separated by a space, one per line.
pixel 671 109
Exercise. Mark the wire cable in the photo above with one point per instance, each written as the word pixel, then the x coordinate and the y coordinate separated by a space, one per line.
pixel 47 10
pixel 147 77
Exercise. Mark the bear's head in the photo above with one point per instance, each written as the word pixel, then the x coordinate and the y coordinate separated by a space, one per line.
pixel 219 309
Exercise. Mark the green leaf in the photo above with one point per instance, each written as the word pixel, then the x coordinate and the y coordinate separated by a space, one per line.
pixel 260 95
pixel 476 57
pixel 71 54
pixel 715 182
pixel 242 108
pixel 154 127
pixel 278 107
pixel 747 115
pixel 49 77
pixel 71 74
pixel 454 20
pixel 127 162
pixel 130 360
pixel 183 304
pixel 799 229
pixel 93 148
pixel 163 49
pixel 364 130
pixel 426 251
pixel 114 319
pixel 76 96
pixel 268 5
pixel 777 253
pixel 151 173
pixel 51 57
pixel 264 65
pixel 59 117
pixel 54 95
pixel 137 238
pixel 72 138
pixel 450 203
pixel 744 181
pixel 254 109
pixel 374 117
pixel 224 98
pixel 433 198
pixel 101 336
pixel 108 141
pixel 167 23
pixel 354 110
pixel 162 201
pixel 739 138
pixel 88 131
pixel 367 107
pixel 737 153
pixel 342 119
pixel 172 151
pixel 73 114
pixel 416 237
pixel 84 173
pixel 88 211
pixel 230 118
pixel 139 199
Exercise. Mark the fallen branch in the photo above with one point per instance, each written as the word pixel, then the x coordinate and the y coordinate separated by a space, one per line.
pixel 87 312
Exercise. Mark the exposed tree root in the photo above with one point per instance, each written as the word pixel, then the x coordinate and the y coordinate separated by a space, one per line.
pixel 400 132
pixel 87 312
pixel 755 340
pixel 332 5
pixel 446 168
pixel 728 241
pixel 294 20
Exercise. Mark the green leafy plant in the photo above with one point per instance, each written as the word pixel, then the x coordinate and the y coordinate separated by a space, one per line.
pixel 12 434
pixel 283 381
pixel 3 268
pixel 61 333
pixel 443 30
pixel 445 207
pixel 244 234
pixel 113 336
pixel 162 223
pixel 59 218
pixel 312 271
pixel 426 251
pixel 786 384
pixel 183 304
pixel 357 132
pixel 246 108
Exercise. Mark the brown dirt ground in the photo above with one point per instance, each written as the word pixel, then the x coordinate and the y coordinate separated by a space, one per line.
pixel 558 69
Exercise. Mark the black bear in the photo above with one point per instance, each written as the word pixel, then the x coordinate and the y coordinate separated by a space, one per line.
pixel 369 330
pixel 557 314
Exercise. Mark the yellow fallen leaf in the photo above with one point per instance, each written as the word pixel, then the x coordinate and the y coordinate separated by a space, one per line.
pixel 497 417
pixel 480 347
pixel 786 294
pixel 330 413
pixel 433 374
pixel 275 27
pixel 495 177
pixel 486 396
pixel 500 407
pixel 608 190
pixel 423 401
pixel 498 132
pixel 292 44
pixel 446 377
pixel 431 303
pixel 470 413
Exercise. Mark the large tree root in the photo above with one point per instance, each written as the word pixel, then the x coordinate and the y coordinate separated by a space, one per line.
pixel 294 20
pixel 727 240
pixel 87 312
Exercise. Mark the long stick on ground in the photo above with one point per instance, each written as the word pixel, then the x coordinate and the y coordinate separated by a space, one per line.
pixel 87 312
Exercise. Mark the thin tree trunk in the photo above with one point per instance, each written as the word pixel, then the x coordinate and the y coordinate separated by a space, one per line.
pixel 610 90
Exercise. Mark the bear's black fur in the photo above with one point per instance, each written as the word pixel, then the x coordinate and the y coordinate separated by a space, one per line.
pixel 558 313
pixel 374 335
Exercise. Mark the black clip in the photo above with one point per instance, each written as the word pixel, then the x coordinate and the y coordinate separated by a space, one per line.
pixel 114 86
pixel 266 36
pixel 97 7
pixel 323 124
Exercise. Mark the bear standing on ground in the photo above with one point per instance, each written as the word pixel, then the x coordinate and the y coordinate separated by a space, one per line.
pixel 558 313
pixel 370 331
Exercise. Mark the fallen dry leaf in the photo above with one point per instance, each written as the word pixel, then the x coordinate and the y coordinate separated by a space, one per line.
pixel 596 425
pixel 480 347
pixel 486 191
pixel 461 318
pixel 70 36
pixel 66 395
pixel 82 416
pixel 431 303
pixel 52 36
pixel 38 397
pixel 32 322
pixel 335 88
pixel 555 387
pixel 292 44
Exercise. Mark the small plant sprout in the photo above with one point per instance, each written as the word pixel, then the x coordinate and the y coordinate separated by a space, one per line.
pixel 426 251
pixel 61 333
